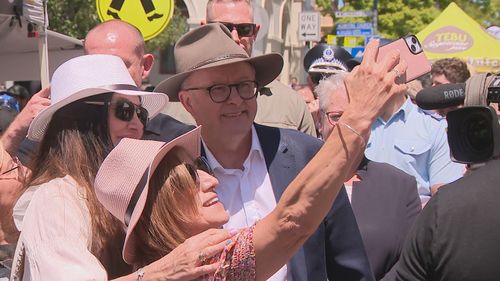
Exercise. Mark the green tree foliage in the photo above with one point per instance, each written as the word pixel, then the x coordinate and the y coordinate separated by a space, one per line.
pixel 397 18
pixel 325 7
pixel 485 12
pixel 176 28
pixel 76 17
pixel 402 17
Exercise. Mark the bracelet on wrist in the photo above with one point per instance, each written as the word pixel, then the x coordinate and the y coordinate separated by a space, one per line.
pixel 354 131
pixel 140 274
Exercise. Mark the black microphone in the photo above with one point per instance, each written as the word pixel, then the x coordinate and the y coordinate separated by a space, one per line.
pixel 441 96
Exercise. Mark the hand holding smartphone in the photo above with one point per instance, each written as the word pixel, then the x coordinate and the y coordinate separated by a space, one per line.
pixel 411 51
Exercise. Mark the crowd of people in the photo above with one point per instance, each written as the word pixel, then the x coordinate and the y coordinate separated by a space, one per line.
pixel 222 172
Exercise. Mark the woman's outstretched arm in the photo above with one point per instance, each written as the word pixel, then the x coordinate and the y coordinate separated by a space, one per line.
pixel 308 198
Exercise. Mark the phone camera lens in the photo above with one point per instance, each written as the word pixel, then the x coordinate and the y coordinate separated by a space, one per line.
pixel 413 48
pixel 413 40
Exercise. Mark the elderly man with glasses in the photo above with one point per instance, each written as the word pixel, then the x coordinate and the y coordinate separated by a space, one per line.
pixel 384 199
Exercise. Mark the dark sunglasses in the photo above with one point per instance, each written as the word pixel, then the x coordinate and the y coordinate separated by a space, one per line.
pixel 243 29
pixel 200 163
pixel 125 110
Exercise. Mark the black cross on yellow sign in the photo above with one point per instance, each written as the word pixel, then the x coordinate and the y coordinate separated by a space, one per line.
pixel 149 16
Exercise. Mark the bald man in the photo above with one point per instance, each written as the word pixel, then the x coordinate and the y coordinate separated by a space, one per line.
pixel 121 39
pixel 116 37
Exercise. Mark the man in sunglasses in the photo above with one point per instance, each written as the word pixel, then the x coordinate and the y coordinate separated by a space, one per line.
pixel 278 104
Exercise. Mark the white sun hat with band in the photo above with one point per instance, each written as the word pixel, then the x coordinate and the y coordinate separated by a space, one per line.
pixel 91 75
pixel 122 182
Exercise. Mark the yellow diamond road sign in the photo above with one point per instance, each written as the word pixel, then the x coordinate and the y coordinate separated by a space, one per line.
pixel 149 16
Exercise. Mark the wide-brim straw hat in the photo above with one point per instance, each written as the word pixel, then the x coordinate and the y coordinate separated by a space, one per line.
pixel 209 46
pixel 122 182
pixel 91 75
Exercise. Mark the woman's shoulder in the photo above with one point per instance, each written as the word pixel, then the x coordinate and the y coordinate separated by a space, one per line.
pixel 57 193
pixel 45 194
pixel 53 206
pixel 55 186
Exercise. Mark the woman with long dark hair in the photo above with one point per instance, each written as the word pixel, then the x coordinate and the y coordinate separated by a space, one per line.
pixel 66 233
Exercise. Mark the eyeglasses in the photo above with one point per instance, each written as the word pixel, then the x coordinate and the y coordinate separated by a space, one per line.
pixel 219 93
pixel 333 117
pixel 200 163
pixel 125 109
pixel 243 29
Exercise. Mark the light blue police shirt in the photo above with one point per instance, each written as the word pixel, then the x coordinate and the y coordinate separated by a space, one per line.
pixel 416 143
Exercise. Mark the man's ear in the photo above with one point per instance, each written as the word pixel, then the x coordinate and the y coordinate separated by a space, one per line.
pixel 148 61
pixel 257 28
pixel 203 21
pixel 185 99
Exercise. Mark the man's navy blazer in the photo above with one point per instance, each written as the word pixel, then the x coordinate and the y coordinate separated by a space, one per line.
pixel 335 251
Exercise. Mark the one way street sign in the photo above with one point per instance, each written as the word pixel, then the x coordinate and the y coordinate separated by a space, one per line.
pixel 309 26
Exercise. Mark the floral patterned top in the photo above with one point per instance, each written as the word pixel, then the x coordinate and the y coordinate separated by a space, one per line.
pixel 237 259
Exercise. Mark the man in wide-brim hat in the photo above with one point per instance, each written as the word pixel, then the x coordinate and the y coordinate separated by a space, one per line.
pixel 217 83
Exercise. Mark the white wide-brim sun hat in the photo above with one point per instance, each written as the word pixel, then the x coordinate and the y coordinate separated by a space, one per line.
pixel 91 75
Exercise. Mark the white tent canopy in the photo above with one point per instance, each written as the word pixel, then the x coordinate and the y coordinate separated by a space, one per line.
pixel 19 54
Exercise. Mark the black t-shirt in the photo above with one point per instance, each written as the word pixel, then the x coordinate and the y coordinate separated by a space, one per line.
pixel 457 235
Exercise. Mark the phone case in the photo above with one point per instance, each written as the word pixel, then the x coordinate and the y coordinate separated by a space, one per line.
pixel 411 51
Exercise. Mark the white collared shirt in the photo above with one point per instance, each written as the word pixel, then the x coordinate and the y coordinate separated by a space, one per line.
pixel 247 194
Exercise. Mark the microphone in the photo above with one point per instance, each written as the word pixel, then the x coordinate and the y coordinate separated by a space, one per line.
pixel 441 96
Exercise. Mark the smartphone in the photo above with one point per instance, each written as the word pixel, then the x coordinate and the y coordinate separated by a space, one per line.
pixel 411 51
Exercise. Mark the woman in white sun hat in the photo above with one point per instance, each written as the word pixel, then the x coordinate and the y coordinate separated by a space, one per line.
pixel 66 233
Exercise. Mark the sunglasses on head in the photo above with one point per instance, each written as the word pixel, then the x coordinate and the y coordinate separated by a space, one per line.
pixel 125 110
pixel 243 29
pixel 200 163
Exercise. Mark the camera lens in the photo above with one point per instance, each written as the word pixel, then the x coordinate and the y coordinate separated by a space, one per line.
pixel 478 132
pixel 413 48
pixel 470 134
pixel 413 40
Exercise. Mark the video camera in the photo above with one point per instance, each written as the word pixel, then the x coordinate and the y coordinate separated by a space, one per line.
pixel 473 130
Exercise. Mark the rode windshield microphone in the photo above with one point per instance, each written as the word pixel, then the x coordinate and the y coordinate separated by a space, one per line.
pixel 441 96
